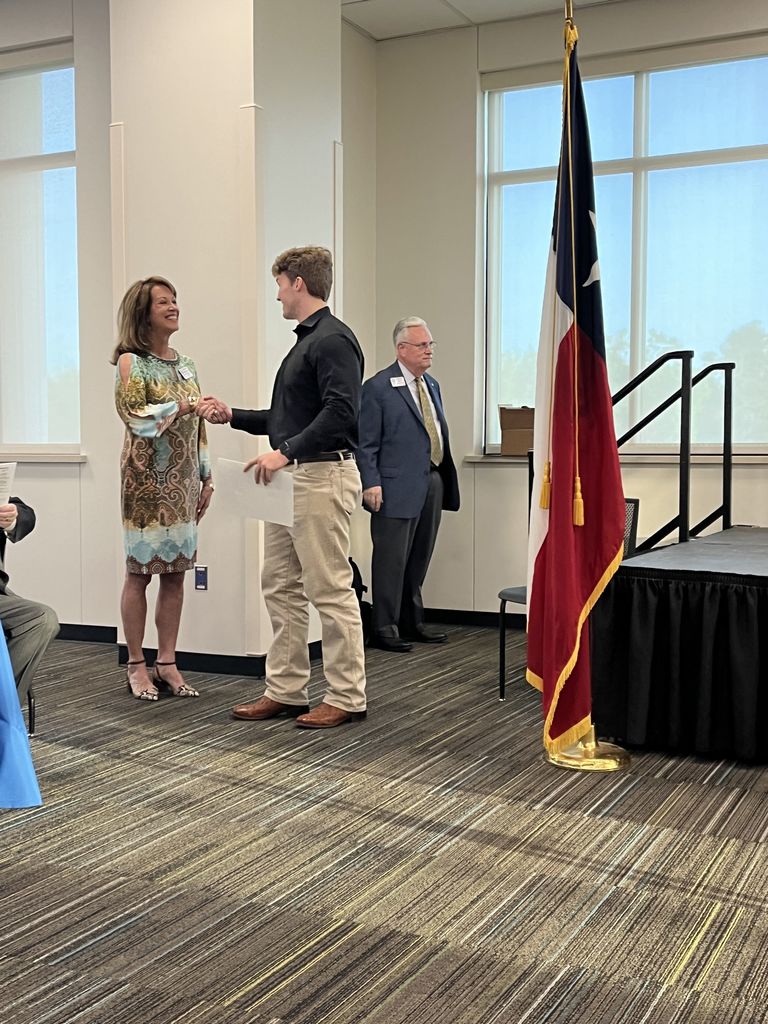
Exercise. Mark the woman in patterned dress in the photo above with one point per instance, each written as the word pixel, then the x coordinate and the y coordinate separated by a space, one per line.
pixel 165 477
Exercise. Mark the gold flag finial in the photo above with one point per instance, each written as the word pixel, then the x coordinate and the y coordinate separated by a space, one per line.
pixel 571 32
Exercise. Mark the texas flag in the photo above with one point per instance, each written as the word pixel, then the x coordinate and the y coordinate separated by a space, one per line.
pixel 577 515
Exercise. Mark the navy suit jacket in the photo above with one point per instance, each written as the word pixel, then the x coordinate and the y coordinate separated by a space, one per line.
pixel 394 446
pixel 24 525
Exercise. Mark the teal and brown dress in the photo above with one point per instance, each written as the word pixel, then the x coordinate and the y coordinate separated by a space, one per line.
pixel 164 460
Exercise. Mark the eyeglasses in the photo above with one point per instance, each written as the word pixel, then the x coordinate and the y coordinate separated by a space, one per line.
pixel 422 346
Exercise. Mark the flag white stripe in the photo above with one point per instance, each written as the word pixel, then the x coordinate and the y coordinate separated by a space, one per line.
pixel 556 321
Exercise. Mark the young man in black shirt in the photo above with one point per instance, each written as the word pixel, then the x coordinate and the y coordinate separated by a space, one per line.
pixel 312 424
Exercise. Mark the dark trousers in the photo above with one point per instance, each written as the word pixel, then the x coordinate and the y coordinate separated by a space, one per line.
pixel 402 550
pixel 29 627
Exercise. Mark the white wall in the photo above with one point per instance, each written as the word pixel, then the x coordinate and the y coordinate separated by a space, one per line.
pixel 205 146
pixel 231 127
pixel 428 254
pixel 35 22
pixel 618 29
pixel 359 120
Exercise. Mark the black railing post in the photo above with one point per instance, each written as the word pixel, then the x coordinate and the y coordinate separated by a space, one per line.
pixel 727 443
pixel 684 524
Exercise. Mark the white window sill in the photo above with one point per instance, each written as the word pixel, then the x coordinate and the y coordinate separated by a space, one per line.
pixel 740 458
pixel 56 453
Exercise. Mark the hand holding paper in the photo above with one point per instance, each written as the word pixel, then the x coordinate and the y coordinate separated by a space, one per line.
pixel 266 466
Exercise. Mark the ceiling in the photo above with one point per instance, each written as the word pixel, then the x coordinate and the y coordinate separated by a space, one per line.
pixel 386 19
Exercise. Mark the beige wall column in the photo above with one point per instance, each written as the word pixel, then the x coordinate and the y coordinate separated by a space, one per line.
pixel 427 188
pixel 225 130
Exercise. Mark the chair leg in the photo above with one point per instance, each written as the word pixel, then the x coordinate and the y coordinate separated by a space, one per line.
pixel 31 711
pixel 502 651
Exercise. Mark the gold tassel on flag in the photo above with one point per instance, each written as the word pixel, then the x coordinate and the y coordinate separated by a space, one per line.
pixel 578 503
pixel 546 485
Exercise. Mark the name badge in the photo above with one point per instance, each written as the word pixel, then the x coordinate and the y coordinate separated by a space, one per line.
pixel 185 373
pixel 397 382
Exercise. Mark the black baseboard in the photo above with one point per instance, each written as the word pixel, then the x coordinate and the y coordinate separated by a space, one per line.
pixel 454 617
pixel 219 664
pixel 90 634
pixel 255 665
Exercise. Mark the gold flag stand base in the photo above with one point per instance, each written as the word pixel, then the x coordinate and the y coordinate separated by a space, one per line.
pixel 590 755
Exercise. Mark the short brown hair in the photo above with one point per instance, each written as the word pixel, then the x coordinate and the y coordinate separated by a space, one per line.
pixel 133 317
pixel 312 263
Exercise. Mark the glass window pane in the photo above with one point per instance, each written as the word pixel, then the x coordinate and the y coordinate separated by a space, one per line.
pixel 706 237
pixel 526 232
pixel 526 229
pixel 58 110
pixel 610 103
pixel 38 307
pixel 527 225
pixel 37 113
pixel 613 200
pixel 710 107
pixel 532 123
pixel 532 127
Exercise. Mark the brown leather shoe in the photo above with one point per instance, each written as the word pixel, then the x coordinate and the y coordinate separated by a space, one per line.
pixel 326 716
pixel 265 707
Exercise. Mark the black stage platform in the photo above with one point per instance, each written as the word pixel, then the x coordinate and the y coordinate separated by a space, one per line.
pixel 680 648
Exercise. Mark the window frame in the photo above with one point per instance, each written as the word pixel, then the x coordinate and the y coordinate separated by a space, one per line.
pixel 640 165
pixel 48 57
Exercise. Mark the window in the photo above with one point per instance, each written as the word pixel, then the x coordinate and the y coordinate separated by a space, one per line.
pixel 681 175
pixel 39 394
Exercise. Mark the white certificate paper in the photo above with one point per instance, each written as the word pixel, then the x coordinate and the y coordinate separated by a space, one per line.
pixel 7 473
pixel 244 497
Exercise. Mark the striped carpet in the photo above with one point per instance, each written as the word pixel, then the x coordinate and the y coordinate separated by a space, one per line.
pixel 422 867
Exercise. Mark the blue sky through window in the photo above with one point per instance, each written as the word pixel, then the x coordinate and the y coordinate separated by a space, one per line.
pixel 706 224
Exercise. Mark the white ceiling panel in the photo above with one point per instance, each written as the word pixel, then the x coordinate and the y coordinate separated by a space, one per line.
pixel 384 19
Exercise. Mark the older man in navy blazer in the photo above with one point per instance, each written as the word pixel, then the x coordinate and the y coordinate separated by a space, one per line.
pixel 408 475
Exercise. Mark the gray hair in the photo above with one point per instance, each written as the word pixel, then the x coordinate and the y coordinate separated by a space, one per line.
pixel 403 325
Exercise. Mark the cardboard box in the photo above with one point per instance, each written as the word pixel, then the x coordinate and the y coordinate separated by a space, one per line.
pixel 516 429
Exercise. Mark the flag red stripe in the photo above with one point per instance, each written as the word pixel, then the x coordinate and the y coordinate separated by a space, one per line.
pixel 572 559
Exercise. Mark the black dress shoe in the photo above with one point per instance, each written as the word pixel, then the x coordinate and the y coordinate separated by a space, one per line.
pixel 422 635
pixel 389 643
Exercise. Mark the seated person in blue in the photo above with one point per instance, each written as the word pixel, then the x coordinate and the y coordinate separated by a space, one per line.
pixel 28 626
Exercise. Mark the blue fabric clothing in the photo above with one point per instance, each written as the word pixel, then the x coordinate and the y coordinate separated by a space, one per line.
pixel 18 782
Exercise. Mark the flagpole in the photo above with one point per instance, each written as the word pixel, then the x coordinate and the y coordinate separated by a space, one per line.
pixel 588 754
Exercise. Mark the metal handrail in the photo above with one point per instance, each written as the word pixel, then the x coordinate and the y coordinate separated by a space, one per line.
pixel 681 521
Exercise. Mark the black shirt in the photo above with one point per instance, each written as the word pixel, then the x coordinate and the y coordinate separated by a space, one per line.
pixel 316 395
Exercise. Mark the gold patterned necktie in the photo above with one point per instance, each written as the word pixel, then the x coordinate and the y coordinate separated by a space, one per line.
pixel 435 448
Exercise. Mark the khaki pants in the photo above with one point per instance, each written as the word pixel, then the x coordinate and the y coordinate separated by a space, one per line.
pixel 309 562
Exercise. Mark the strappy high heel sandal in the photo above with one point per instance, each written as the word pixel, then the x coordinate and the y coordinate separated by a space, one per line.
pixel 146 693
pixel 181 691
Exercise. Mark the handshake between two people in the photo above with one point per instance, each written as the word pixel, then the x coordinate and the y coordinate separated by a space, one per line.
pixel 213 410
